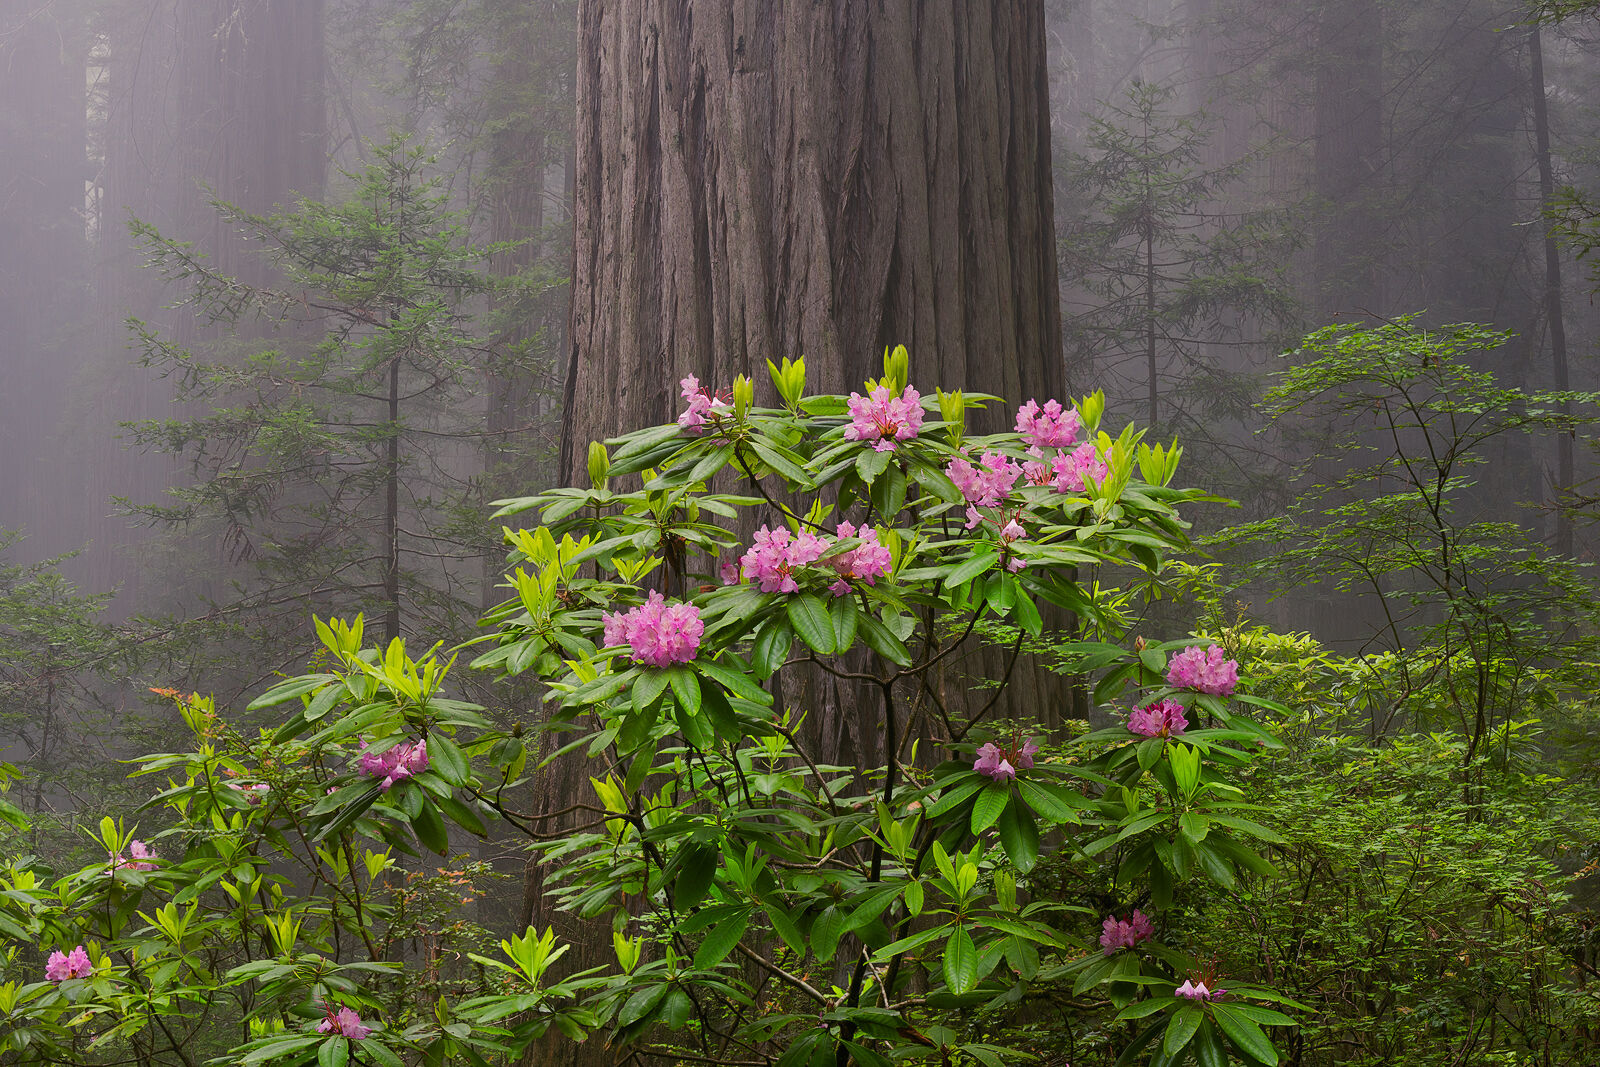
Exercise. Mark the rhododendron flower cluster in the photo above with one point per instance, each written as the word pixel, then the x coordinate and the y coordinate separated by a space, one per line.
pixel 1164 718
pixel 1198 991
pixel 1069 470
pixel 1205 670
pixel 345 1022
pixel 254 790
pixel 63 965
pixel 657 633
pixel 1002 764
pixel 867 562
pixel 883 418
pixel 1049 427
pixel 1119 934
pixel 702 404
pixel 141 857
pixel 396 763
pixel 775 554
pixel 986 484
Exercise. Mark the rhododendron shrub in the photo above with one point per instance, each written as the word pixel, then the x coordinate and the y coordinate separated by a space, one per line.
pixel 760 902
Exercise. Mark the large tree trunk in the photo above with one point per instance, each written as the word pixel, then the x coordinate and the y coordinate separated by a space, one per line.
pixel 1348 155
pixel 824 179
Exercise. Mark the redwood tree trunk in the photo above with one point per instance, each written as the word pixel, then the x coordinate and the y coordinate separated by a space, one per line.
pixel 820 179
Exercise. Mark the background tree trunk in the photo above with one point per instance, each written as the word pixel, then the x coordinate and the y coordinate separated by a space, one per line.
pixel 826 180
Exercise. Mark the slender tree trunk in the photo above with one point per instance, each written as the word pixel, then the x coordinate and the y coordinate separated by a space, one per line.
pixel 391 511
pixel 1552 290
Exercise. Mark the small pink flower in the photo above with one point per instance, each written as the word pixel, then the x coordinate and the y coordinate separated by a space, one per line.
pixel 255 791
pixel 992 762
pixel 61 966
pixel 730 572
pixel 1164 718
pixel 1002 764
pixel 1205 670
pixel 397 763
pixel 1198 991
pixel 987 483
pixel 883 418
pixel 1071 469
pixel 345 1022
pixel 657 633
pixel 867 562
pixel 1050 426
pixel 775 554
pixel 702 405
pixel 141 856
pixel 1125 933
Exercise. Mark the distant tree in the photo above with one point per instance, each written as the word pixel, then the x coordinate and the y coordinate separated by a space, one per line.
pixel 1169 293
pixel 338 440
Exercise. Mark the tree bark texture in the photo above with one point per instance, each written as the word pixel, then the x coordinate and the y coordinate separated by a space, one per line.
pixel 821 180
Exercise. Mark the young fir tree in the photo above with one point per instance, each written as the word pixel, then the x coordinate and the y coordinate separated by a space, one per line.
pixel 1169 295
pixel 336 436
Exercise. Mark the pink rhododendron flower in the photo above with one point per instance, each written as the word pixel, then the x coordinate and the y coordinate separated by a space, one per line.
pixel 730 572
pixel 1125 933
pixel 1050 426
pixel 993 763
pixel 1069 469
pixel 345 1022
pixel 775 555
pixel 396 763
pixel 867 562
pixel 255 790
pixel 1164 718
pixel 987 483
pixel 883 418
pixel 1002 764
pixel 141 855
pixel 1206 670
pixel 657 633
pixel 1198 991
pixel 63 965
pixel 702 405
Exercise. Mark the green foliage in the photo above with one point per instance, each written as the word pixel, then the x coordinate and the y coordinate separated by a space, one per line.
pixel 1165 286
pixel 1426 922
pixel 1478 602
pixel 759 899
pixel 337 438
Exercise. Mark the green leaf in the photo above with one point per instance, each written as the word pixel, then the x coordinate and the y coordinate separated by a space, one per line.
pixel 785 928
pixel 430 827
pixel 826 930
pixel 647 688
pixel 980 562
pixel 686 688
pixel 1180 1028
pixel 462 815
pixel 642 1004
pixel 878 638
pixel 446 759
pixel 1052 801
pixel 990 803
pixel 1019 836
pixel 842 613
pixel 1245 1034
pixel 720 941
pixel 771 647
pixel 696 729
pixel 888 492
pixel 696 868
pixel 960 962
pixel 286 691
pixel 334 1052
pixel 735 682
pixel 809 617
